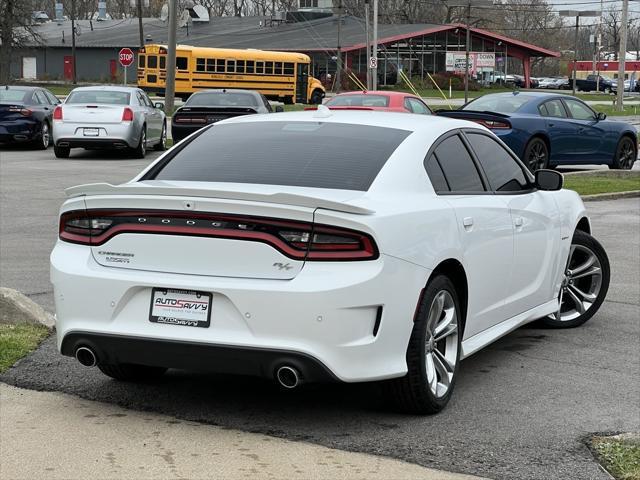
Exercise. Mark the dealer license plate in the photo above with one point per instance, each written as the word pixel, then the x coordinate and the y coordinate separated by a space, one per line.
pixel 180 307
pixel 91 132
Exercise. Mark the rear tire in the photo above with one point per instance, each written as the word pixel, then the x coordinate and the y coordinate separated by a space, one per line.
pixel 162 144
pixel 433 353
pixel 44 140
pixel 128 372
pixel 536 154
pixel 141 150
pixel 625 155
pixel 61 152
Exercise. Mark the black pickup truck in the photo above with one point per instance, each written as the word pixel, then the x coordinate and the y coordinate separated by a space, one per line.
pixel 591 84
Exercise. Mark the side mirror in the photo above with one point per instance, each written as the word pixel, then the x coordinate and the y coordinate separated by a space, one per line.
pixel 159 105
pixel 548 180
pixel 279 109
pixel 601 116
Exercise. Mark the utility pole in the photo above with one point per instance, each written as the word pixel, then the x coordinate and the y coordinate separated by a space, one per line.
pixel 622 56
pixel 467 48
pixel 339 51
pixel 374 69
pixel 368 42
pixel 141 31
pixel 577 14
pixel 73 40
pixel 170 84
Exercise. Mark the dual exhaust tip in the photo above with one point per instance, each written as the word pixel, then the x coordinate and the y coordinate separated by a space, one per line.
pixel 287 376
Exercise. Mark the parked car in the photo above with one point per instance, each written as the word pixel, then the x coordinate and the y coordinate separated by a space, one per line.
pixel 379 100
pixel 210 106
pixel 26 115
pixel 546 129
pixel 554 83
pixel 592 83
pixel 627 86
pixel 109 117
pixel 322 246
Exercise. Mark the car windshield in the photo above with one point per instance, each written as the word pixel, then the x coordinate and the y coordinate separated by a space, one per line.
pixel 301 154
pixel 359 101
pixel 109 97
pixel 13 95
pixel 498 103
pixel 220 99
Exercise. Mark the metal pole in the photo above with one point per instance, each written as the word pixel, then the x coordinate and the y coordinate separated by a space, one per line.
pixel 368 42
pixel 339 51
pixel 622 55
pixel 466 64
pixel 73 40
pixel 141 31
pixel 170 85
pixel 374 70
pixel 575 54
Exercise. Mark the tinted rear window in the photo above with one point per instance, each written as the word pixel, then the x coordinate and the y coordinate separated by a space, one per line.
pixel 301 154
pixel 359 101
pixel 99 96
pixel 229 99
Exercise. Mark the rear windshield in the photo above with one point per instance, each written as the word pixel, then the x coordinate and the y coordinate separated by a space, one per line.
pixel 13 95
pixel 222 100
pixel 301 154
pixel 498 103
pixel 99 96
pixel 359 101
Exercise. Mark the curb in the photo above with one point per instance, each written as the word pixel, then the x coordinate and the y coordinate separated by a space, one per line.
pixel 610 196
pixel 16 308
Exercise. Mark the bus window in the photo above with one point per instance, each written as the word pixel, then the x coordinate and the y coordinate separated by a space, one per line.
pixel 278 68
pixel 200 65
pixel 268 68
pixel 260 67
pixel 152 61
pixel 240 66
pixel 231 66
pixel 249 68
pixel 182 63
pixel 163 62
pixel 220 66
pixel 288 69
pixel 211 64
pixel 141 61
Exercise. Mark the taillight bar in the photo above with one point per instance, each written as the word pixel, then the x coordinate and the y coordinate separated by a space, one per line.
pixel 184 119
pixel 295 239
pixel 493 124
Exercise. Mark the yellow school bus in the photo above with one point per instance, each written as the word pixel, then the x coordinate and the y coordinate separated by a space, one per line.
pixel 280 76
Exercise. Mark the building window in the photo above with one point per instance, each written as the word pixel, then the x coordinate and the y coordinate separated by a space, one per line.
pixel 308 3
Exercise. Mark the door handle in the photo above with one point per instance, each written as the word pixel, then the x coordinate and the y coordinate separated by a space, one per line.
pixel 518 222
pixel 467 223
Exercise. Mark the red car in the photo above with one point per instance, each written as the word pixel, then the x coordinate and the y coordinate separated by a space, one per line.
pixel 379 100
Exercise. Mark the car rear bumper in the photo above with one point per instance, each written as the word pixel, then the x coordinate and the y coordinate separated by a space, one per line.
pixel 179 132
pixel 344 316
pixel 17 132
pixel 106 143
pixel 70 134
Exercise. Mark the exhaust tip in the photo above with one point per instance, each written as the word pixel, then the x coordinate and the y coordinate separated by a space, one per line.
pixel 288 377
pixel 86 357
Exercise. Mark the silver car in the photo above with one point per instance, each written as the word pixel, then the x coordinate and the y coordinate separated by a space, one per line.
pixel 109 117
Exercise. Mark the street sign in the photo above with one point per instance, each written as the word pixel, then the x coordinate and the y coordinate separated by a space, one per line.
pixel 373 62
pixel 126 57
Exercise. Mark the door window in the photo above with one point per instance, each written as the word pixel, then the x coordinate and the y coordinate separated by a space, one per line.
pixel 416 106
pixel 579 110
pixel 458 167
pixel 553 108
pixel 53 100
pixel 436 175
pixel 502 170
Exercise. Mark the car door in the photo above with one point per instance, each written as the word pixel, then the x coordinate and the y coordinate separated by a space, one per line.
pixel 156 113
pixel 535 222
pixel 560 130
pixel 151 116
pixel 485 228
pixel 41 104
pixel 590 133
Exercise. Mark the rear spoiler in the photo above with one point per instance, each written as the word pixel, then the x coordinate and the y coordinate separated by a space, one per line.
pixel 204 109
pixel 488 119
pixel 152 187
pixel 342 107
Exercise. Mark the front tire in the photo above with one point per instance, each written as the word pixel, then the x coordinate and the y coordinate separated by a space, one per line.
pixel 625 155
pixel 128 372
pixel 316 97
pixel 61 152
pixel 433 354
pixel 585 283
pixel 536 154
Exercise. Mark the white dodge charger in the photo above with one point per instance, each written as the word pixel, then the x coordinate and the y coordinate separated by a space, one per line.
pixel 322 246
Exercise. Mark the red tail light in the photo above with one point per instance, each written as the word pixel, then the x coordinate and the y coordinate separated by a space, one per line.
pixel 494 125
pixel 127 115
pixel 25 112
pixel 297 240
pixel 57 113
pixel 183 119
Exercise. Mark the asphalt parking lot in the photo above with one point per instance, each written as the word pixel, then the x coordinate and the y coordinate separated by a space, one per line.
pixel 522 407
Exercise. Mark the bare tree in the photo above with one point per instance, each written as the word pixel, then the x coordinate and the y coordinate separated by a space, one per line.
pixel 15 32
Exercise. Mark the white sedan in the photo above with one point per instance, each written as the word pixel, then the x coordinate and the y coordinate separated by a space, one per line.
pixel 108 117
pixel 322 246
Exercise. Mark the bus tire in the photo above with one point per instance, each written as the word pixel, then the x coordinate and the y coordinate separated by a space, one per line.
pixel 287 100
pixel 316 97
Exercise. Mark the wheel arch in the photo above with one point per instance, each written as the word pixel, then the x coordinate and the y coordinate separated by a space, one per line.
pixel 453 269
pixel 584 225
pixel 544 137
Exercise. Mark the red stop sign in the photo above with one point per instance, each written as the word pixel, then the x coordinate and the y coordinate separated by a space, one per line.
pixel 126 57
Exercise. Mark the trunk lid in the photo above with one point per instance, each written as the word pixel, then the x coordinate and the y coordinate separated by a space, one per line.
pixel 92 113
pixel 11 111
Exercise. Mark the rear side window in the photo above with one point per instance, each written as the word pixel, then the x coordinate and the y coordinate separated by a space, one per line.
pixel 458 166
pixel 436 175
pixel 301 154
pixel 502 171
